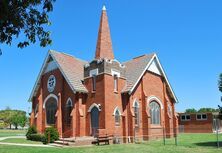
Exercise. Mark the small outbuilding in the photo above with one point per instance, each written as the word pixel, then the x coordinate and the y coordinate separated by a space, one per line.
pixel 199 122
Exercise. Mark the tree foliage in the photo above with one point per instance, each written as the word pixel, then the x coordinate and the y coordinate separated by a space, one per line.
pixel 220 83
pixel 18 119
pixel 190 110
pixel 201 110
pixel 26 18
pixel 205 110
pixel 220 89
pixel 13 117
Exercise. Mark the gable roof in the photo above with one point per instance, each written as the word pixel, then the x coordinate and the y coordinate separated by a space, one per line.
pixel 70 67
pixel 136 68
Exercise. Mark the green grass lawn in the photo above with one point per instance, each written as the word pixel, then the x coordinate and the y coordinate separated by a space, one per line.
pixel 191 143
pixel 5 133
pixel 20 140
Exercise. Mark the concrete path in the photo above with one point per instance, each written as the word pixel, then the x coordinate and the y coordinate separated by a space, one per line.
pixel 3 138
pixel 21 144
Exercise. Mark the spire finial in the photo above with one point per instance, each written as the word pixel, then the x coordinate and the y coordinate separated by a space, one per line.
pixel 104 8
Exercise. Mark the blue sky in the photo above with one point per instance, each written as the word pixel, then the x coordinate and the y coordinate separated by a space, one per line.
pixel 186 35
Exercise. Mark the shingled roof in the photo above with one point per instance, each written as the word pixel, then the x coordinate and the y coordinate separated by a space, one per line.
pixel 134 69
pixel 72 69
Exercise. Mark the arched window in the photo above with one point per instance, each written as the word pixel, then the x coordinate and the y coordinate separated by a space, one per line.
pixel 136 113
pixel 154 112
pixel 117 116
pixel 69 106
pixel 51 108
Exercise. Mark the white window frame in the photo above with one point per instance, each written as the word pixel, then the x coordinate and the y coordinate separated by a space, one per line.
pixel 93 72
pixel 201 114
pixel 115 78
pixel 51 80
pixel 114 72
pixel 69 115
pixel 114 114
pixel 155 120
pixel 136 118
pixel 185 117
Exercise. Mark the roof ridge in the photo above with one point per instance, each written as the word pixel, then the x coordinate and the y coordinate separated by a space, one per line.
pixel 69 55
pixel 139 57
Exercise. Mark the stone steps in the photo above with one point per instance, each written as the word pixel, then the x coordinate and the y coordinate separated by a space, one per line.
pixel 79 141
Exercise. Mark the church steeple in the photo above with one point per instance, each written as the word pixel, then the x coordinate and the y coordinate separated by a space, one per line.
pixel 104 43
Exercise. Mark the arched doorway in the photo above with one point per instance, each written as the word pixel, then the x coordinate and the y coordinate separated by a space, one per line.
pixel 94 120
pixel 51 108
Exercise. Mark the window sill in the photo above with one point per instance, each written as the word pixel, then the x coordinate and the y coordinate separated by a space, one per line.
pixel 185 120
pixel 93 92
pixel 155 126
pixel 201 119
pixel 137 126
pixel 51 125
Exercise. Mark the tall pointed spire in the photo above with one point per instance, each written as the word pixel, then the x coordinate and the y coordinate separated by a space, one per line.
pixel 104 43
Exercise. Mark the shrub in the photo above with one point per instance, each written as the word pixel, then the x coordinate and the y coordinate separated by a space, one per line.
pixel 44 140
pixel 36 137
pixel 31 130
pixel 53 133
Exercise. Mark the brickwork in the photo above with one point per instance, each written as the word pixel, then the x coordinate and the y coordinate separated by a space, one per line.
pixel 196 126
pixel 150 87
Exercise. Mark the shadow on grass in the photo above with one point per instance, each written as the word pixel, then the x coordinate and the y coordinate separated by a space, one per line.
pixel 209 144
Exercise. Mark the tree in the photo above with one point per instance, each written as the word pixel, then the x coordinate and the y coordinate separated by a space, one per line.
pixel 26 18
pixel 13 117
pixel 205 110
pixel 220 89
pixel 18 118
pixel 190 110
pixel 220 83
pixel 23 120
pixel 6 116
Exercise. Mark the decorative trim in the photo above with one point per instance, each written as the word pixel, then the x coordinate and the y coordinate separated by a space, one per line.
pixel 93 72
pixel 114 72
pixel 50 96
pixel 69 99
pixel 162 71
pixel 154 98
pixel 136 101
pixel 117 109
pixel 94 105
pixel 131 90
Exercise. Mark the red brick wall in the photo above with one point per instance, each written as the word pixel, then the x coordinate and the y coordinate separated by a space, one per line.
pixel 150 85
pixel 112 100
pixel 61 87
pixel 97 97
pixel 197 126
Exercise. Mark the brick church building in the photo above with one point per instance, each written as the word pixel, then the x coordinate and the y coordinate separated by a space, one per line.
pixel 82 98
